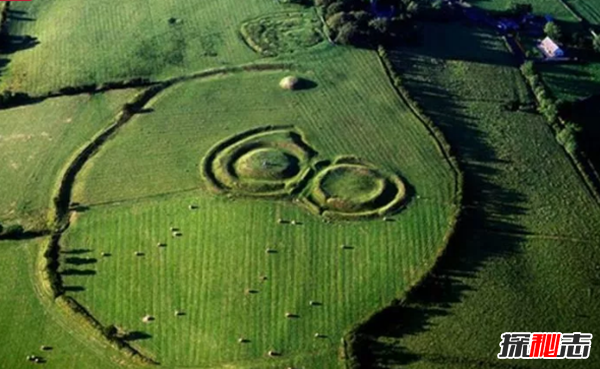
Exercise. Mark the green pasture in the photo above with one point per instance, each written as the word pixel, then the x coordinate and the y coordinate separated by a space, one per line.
pixel 588 9
pixel 76 43
pixel 527 257
pixel 571 82
pixel 553 8
pixel 143 181
pixel 29 322
pixel 35 143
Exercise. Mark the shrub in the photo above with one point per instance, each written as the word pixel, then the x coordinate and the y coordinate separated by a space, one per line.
pixel 567 137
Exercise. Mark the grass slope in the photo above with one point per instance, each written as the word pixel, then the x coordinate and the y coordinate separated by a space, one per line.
pixel 221 253
pixel 111 40
pixel 527 259
pixel 35 143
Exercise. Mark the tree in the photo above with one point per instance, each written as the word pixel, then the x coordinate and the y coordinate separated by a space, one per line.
pixel 380 25
pixel 347 34
pixel 1 228
pixel 552 30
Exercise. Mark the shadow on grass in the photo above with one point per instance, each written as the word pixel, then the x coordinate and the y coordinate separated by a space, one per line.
pixel 74 288
pixel 488 206
pixel 26 235
pixel 81 272
pixel 14 43
pixel 80 261
pixel 136 336
pixel 19 16
pixel 76 251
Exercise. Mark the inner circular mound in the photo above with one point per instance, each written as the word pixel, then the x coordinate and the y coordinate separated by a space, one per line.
pixel 354 190
pixel 351 184
pixel 267 164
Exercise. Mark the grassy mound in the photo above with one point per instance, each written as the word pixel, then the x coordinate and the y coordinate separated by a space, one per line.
pixel 350 186
pixel 267 164
pixel 352 190
pixel 269 161
pixel 282 33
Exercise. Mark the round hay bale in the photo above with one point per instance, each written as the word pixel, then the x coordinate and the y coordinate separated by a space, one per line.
pixel 289 83
pixel 148 319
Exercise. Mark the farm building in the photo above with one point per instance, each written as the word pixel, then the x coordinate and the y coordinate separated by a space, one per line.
pixel 551 48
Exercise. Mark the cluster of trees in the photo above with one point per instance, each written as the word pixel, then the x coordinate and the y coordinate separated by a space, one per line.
pixel 366 23
pixel 581 40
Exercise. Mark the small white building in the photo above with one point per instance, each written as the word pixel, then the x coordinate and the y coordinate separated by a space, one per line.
pixel 551 48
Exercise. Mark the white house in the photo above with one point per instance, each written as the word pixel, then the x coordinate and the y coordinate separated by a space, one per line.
pixel 551 48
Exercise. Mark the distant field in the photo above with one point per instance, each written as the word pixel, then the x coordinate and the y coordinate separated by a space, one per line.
pixel 550 7
pixel 572 81
pixel 208 270
pixel 35 143
pixel 531 230
pixel 589 9
pixel 112 40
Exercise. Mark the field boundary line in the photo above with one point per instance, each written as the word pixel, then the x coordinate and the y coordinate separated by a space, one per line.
pixel 43 294
pixel 141 198
pixel 571 10
pixel 47 267
pixel 141 83
pixel 442 144
pixel 354 337
pixel 582 165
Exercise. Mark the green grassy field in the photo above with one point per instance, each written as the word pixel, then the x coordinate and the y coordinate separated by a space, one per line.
pixel 228 277
pixel 220 255
pixel 527 258
pixel 35 143
pixel 121 40
pixel 28 322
